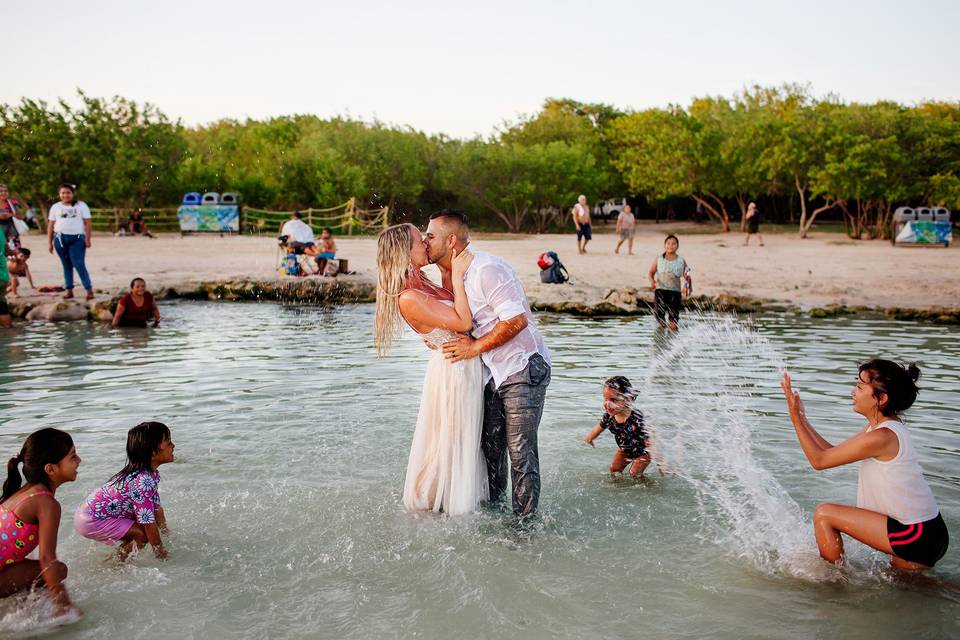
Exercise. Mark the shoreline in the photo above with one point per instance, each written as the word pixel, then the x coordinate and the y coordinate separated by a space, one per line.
pixel 582 301
pixel 824 275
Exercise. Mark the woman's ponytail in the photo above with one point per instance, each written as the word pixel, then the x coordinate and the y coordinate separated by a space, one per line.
pixel 13 481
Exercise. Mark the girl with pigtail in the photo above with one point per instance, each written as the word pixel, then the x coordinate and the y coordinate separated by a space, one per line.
pixel 30 516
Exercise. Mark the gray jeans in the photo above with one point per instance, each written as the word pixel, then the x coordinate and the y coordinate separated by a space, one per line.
pixel 511 417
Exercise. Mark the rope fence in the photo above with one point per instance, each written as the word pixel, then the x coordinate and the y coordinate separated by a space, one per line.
pixel 345 219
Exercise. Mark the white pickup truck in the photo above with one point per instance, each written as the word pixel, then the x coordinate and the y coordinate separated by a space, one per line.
pixel 607 210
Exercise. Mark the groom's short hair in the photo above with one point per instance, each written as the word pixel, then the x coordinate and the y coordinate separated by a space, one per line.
pixel 455 221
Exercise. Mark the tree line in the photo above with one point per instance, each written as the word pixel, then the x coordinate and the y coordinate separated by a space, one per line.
pixel 780 144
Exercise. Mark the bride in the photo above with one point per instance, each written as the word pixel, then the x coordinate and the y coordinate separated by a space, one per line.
pixel 446 470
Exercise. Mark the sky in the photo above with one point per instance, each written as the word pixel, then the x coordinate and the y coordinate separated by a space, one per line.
pixel 464 68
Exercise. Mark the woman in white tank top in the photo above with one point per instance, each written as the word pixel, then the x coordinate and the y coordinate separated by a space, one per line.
pixel 896 512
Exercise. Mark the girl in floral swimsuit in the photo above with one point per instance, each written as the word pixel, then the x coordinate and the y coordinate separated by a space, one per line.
pixel 127 508
pixel 30 516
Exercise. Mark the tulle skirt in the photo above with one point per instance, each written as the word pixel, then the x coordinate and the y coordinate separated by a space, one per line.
pixel 446 471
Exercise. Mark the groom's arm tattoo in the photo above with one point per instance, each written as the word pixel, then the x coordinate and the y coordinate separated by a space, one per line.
pixel 501 334
pixel 465 347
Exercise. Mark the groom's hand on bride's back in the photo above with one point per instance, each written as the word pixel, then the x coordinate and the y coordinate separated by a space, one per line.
pixel 463 348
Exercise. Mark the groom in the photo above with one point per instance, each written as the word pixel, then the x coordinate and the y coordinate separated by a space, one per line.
pixel 517 362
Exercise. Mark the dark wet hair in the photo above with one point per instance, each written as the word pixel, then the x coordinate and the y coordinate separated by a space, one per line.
pixel 43 447
pixel 671 237
pixel 450 213
pixel 142 442
pixel 135 280
pixel 327 229
pixel 25 252
pixel 622 386
pixel 296 214
pixel 897 380
pixel 73 190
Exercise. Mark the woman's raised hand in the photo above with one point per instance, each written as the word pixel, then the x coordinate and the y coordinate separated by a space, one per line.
pixel 794 403
pixel 460 263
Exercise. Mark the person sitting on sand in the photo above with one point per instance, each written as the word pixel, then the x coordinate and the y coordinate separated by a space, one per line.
pixel 626 424
pixel 136 306
pixel 17 265
pixel 328 248
pixel 299 235
pixel 896 512
pixel 136 224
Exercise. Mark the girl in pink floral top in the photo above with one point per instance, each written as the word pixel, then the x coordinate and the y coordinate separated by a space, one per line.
pixel 127 509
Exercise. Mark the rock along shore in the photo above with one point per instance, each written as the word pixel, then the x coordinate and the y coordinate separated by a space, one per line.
pixel 579 300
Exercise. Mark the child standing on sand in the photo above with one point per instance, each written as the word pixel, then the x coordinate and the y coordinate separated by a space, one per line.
pixel 627 426
pixel 127 508
pixel 30 516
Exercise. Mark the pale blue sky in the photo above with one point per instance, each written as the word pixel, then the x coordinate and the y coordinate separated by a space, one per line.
pixel 462 68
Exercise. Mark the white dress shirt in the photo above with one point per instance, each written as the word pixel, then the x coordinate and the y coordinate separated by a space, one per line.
pixel 298 231
pixel 495 294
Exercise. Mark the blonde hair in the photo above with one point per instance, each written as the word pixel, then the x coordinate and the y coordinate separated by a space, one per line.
pixel 393 263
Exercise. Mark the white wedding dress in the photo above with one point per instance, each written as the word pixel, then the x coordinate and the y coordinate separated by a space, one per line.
pixel 446 471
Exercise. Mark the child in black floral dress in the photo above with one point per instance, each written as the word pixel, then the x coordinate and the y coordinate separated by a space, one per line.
pixel 626 425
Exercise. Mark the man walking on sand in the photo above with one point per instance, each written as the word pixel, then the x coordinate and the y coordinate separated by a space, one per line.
pixel 581 219
pixel 625 224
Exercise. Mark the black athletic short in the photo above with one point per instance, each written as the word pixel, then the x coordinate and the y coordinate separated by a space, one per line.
pixel 666 302
pixel 4 307
pixel 922 542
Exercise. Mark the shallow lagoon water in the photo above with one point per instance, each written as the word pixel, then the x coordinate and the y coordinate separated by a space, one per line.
pixel 292 440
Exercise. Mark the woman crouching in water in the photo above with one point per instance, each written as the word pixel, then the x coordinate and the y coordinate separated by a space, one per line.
pixel 896 512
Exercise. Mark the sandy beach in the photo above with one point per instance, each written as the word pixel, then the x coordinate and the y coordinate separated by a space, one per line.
pixel 825 269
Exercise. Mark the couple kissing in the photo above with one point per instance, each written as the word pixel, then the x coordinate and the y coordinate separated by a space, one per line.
pixel 487 373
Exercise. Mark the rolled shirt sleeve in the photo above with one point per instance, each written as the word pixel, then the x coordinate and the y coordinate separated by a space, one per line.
pixel 502 291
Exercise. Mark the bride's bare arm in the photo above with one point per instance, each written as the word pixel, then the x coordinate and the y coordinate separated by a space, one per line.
pixel 425 310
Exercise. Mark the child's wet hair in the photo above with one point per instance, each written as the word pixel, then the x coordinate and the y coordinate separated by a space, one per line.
pixel 142 442
pixel 898 381
pixel 43 447
pixel 622 386
pixel 25 252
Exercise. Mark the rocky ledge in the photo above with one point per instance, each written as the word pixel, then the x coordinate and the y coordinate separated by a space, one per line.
pixel 581 300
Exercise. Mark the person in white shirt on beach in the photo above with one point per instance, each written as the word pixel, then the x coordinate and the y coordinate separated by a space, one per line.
pixel 69 233
pixel 299 234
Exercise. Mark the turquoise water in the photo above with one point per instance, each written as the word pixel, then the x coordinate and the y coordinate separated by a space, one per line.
pixel 292 440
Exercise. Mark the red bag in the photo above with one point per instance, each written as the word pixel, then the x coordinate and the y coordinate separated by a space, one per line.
pixel 545 261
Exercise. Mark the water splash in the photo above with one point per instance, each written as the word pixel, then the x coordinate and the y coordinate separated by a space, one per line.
pixel 703 383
